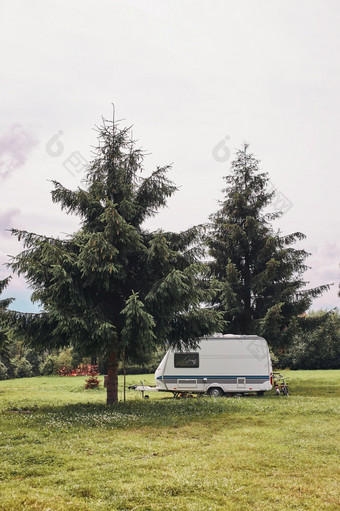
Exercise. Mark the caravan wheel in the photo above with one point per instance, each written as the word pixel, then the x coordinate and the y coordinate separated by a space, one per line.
pixel 215 392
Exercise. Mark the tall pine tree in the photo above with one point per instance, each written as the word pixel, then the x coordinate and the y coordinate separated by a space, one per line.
pixel 257 273
pixel 113 288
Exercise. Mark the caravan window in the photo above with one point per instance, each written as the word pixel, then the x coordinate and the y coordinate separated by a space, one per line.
pixel 186 360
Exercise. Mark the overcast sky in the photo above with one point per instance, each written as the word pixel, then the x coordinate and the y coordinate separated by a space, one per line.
pixel 196 79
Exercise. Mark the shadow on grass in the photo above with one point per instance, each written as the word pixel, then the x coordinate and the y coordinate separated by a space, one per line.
pixel 162 413
pixel 168 412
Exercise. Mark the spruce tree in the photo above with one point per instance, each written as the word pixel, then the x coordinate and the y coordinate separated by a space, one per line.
pixel 113 288
pixel 257 273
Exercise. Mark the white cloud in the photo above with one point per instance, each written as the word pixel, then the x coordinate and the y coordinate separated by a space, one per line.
pixel 6 221
pixel 16 145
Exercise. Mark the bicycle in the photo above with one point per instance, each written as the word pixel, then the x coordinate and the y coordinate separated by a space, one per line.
pixel 280 384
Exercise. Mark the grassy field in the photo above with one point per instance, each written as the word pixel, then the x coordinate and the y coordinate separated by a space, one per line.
pixel 63 449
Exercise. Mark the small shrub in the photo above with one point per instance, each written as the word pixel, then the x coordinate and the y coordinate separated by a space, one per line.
pixel 22 368
pixel 92 381
pixel 49 365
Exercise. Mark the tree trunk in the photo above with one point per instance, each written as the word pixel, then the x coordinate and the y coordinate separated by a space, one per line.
pixel 247 296
pixel 124 363
pixel 112 378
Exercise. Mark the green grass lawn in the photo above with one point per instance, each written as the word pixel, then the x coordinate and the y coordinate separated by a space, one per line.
pixel 63 449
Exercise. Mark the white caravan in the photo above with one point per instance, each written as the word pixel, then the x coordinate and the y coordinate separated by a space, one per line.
pixel 221 364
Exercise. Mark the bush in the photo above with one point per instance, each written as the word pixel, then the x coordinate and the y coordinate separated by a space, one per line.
pixel 34 358
pixel 80 370
pixel 92 381
pixel 65 359
pixel 49 365
pixel 55 362
pixel 319 349
pixel 3 372
pixel 22 368
pixel 274 358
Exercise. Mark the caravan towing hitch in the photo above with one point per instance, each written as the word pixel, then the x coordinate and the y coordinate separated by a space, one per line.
pixel 143 388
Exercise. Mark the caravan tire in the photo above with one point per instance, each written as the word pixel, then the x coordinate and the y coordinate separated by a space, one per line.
pixel 216 392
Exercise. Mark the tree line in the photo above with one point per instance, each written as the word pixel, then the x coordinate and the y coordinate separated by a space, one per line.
pixel 317 349
pixel 117 291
